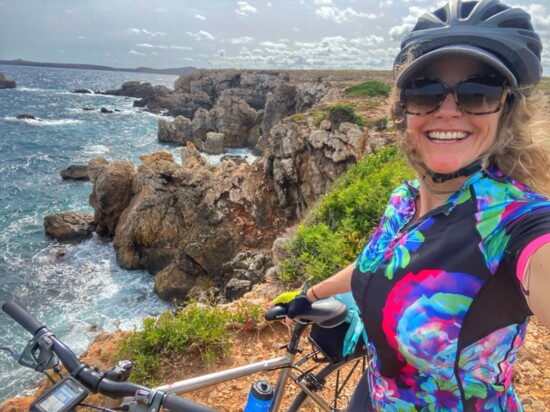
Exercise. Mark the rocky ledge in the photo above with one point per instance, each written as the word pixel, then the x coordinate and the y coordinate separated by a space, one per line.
pixel 5 83
pixel 208 230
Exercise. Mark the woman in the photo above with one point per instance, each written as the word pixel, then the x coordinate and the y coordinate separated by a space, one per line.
pixel 449 279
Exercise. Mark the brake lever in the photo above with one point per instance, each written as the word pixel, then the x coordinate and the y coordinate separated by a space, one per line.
pixel 38 355
pixel 12 352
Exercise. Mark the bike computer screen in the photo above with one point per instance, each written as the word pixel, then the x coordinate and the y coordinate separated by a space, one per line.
pixel 62 397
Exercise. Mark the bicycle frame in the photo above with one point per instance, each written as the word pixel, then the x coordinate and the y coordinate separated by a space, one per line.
pixel 282 362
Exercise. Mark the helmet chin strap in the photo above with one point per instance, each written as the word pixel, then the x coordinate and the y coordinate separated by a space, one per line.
pixel 468 170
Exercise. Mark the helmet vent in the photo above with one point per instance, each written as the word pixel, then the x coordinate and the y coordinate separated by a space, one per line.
pixel 467 8
pixel 516 24
pixel 441 14
pixel 535 48
pixel 493 11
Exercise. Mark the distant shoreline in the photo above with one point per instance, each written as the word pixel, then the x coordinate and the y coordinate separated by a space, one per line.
pixel 178 71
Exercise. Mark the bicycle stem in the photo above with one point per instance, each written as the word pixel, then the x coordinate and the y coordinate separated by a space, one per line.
pixel 292 350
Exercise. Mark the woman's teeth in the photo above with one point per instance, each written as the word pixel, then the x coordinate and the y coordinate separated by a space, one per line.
pixel 447 136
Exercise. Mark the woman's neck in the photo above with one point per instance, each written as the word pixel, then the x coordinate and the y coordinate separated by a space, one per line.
pixel 433 195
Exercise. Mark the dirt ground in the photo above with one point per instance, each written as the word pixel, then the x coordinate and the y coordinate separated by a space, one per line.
pixel 531 377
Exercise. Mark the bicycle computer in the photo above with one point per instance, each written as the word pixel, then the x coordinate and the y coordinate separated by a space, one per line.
pixel 62 397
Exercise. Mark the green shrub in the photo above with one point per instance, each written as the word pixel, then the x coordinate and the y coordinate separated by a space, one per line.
pixel 336 230
pixel 318 119
pixel 342 112
pixel 200 326
pixel 369 89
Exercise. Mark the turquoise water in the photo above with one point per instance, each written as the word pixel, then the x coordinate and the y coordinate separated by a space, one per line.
pixel 84 292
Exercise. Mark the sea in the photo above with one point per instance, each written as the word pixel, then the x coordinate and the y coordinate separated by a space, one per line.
pixel 77 290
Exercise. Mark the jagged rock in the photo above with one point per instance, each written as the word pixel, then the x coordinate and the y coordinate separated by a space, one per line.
pixel 6 83
pixel 111 194
pixel 26 116
pixel 233 158
pixel 236 288
pixel 194 211
pixel 95 165
pixel 214 143
pixel 303 162
pixel 82 91
pixel 179 131
pixel 135 89
pixel 75 172
pixel 176 280
pixel 69 226
pixel 234 118
pixel 105 110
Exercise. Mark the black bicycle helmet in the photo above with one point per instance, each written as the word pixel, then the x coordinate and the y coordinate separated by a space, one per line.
pixel 494 33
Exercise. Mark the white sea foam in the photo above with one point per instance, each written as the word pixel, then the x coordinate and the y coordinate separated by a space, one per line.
pixel 91 150
pixel 43 122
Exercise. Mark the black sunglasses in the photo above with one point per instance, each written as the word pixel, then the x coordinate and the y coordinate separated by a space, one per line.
pixel 479 94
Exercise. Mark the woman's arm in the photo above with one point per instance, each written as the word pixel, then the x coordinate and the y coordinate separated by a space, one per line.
pixel 338 283
pixel 536 280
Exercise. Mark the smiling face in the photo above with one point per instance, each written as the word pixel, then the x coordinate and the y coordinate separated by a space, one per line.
pixel 448 139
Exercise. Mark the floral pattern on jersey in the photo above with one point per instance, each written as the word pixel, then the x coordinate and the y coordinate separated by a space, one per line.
pixel 386 243
pixel 486 366
pixel 423 314
pixel 500 204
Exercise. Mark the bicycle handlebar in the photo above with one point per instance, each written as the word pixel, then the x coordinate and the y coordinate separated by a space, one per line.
pixel 21 316
pixel 93 380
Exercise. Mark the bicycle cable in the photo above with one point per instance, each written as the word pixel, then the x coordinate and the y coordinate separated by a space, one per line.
pixel 100 408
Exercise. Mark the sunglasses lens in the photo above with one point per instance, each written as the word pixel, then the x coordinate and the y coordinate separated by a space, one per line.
pixel 480 94
pixel 422 96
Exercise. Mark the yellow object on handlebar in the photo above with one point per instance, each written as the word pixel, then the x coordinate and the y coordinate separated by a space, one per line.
pixel 286 297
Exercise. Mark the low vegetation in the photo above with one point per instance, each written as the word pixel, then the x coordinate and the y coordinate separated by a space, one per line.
pixel 369 89
pixel 344 112
pixel 207 329
pixel 336 230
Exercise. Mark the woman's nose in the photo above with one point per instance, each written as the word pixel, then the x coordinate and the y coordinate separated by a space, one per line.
pixel 449 107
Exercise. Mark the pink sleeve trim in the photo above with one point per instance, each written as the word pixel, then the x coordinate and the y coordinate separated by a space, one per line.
pixel 527 252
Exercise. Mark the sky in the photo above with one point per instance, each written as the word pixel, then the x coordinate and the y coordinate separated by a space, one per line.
pixel 253 34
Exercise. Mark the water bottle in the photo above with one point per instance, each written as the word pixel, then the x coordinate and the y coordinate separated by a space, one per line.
pixel 260 397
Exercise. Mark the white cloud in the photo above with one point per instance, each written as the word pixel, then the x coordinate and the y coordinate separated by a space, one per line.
pixel 273 45
pixel 398 32
pixel 146 32
pixel 339 15
pixel 322 2
pixel 269 4
pixel 81 38
pixel 331 52
pixel 245 8
pixel 200 35
pixel 200 17
pixel 242 40
pixel 137 53
pixel 144 45
pixel 371 40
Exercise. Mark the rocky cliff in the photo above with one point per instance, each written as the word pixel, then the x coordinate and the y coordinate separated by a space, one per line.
pixel 207 230
pixel 6 83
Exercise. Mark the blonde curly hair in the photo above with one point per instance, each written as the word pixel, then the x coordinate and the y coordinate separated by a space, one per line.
pixel 522 148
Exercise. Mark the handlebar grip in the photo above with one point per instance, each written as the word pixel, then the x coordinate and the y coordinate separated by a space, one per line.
pixel 176 404
pixel 21 316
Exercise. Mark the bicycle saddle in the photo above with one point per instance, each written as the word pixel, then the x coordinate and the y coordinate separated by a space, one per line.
pixel 326 313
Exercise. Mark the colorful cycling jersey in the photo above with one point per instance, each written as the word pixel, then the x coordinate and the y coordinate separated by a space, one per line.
pixel 443 309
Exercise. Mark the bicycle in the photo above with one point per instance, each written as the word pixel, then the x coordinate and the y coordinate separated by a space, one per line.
pixel 44 352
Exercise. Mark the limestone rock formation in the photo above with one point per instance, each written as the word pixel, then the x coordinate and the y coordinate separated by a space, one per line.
pixel 69 226
pixel 75 172
pixel 111 192
pixel 6 83
pixel 303 162
pixel 194 215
